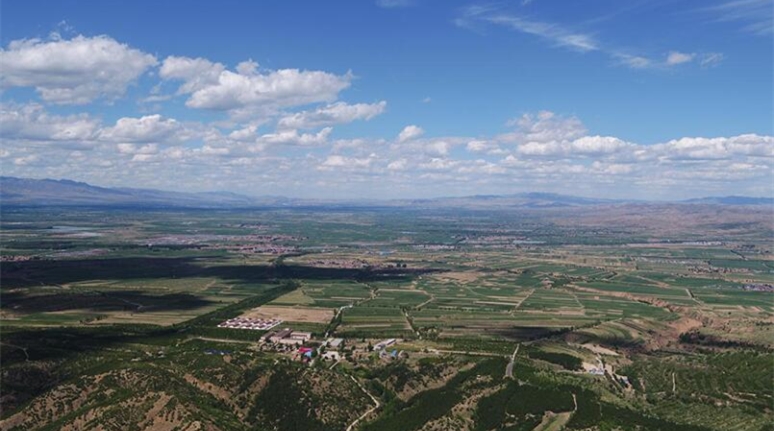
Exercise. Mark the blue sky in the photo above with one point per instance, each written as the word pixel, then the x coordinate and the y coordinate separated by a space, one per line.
pixel 656 99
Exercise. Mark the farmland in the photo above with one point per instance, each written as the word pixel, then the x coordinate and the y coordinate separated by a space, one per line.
pixel 96 299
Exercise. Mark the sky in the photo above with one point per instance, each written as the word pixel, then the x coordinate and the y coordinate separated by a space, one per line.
pixel 645 99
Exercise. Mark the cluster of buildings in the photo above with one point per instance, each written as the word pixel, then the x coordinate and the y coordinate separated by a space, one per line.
pixel 345 263
pixel 287 336
pixel 250 323
pixel 755 287
pixel 597 370
pixel 18 258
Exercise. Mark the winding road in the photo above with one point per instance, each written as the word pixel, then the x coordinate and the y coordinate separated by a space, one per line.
pixel 363 416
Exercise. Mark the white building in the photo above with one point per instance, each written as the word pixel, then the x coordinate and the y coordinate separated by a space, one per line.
pixel 384 344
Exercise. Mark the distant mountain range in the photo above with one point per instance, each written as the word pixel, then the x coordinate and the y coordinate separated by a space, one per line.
pixel 34 192
pixel 24 191
pixel 732 200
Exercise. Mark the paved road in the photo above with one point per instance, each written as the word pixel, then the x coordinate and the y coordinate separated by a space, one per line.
pixel 509 367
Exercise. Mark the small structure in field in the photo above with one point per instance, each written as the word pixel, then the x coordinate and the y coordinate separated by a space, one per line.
pixel 334 343
pixel 250 323
pixel 384 344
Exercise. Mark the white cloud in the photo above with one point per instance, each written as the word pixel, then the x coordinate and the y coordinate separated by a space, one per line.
pixel 632 61
pixel 31 122
pixel 749 145
pixel 292 137
pixel 75 71
pixel 478 146
pixel 244 134
pixel 410 133
pixel 565 37
pixel 197 73
pixel 596 145
pixel 755 15
pixel 125 148
pixel 549 31
pixel 545 126
pixel 150 128
pixel 439 147
pixel 711 59
pixel 348 144
pixel 439 164
pixel 391 4
pixel 676 57
pixel 143 158
pixel 611 168
pixel 398 165
pixel 212 86
pixel 337 113
pixel 214 151
pixel 544 151
pixel 482 167
pixel 346 163
pixel 26 160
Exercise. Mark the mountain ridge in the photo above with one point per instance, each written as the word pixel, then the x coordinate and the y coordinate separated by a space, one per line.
pixel 65 192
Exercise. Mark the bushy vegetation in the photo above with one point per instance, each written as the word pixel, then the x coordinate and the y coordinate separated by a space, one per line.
pixel 569 362
pixel 434 403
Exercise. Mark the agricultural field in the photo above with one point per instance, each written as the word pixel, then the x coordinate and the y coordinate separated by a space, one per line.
pixel 527 320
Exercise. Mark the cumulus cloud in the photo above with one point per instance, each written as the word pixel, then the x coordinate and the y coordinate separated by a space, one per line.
pixel 126 148
pixel 541 151
pixel 477 146
pixel 597 145
pixel 196 73
pixel 748 145
pixel 439 164
pixel 337 113
pixel 409 133
pixel 439 147
pixel 244 134
pixel 26 160
pixel 398 165
pixel 292 137
pixel 544 126
pixel 74 71
pixel 31 122
pixel 150 128
pixel 342 162
pixel 212 86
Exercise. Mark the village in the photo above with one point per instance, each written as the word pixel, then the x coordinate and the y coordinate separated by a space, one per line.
pixel 302 346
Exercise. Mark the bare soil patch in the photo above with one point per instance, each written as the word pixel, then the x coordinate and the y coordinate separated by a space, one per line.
pixel 291 314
